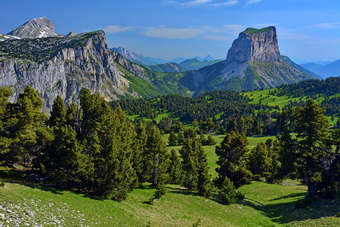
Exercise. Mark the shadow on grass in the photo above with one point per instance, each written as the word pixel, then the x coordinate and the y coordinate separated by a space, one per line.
pixel 20 178
pixel 286 212
pixel 293 195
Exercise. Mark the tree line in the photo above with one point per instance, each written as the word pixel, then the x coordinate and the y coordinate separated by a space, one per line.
pixel 96 149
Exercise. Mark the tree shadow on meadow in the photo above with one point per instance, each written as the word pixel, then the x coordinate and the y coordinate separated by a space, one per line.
pixel 286 212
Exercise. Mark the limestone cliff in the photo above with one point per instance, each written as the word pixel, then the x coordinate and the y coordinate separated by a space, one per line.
pixel 253 62
pixel 62 66
pixel 255 45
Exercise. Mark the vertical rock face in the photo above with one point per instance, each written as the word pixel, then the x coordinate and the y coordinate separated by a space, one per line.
pixel 255 45
pixel 37 28
pixel 62 66
pixel 253 62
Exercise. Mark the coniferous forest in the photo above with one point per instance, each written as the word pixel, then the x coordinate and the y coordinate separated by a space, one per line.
pixel 94 148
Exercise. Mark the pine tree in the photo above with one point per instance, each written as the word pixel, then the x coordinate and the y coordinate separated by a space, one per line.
pixel 204 184
pixel 140 150
pixel 107 136
pixel 63 160
pixel 195 167
pixel 28 129
pixel 58 113
pixel 263 161
pixel 175 168
pixel 232 160
pixel 189 164
pixel 157 157
pixel 5 140
pixel 287 145
pixel 312 132
pixel 227 194
pixel 72 116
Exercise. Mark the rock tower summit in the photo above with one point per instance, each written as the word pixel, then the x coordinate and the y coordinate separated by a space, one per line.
pixel 255 45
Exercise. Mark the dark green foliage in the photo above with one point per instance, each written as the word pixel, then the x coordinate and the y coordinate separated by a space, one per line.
pixel 156 157
pixel 26 128
pixel 159 192
pixel 5 140
pixel 107 138
pixel 195 167
pixel 207 141
pixel 232 160
pixel 312 132
pixel 328 87
pixel 263 161
pixel 227 193
pixel 204 184
pixel 138 161
pixel 63 160
pixel 175 168
pixel 58 113
pixel 172 139
pixel 203 107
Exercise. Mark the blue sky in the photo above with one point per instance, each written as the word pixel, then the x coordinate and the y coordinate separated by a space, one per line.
pixel 308 30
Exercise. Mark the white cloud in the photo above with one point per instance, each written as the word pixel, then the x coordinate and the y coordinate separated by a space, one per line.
pixel 173 33
pixel 196 2
pixel 116 29
pixel 209 3
pixel 221 4
pixel 326 25
pixel 251 2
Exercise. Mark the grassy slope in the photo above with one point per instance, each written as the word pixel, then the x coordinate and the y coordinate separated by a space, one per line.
pixel 265 205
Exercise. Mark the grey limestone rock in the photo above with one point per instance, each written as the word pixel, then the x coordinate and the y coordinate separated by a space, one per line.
pixel 62 66
pixel 37 28
pixel 255 45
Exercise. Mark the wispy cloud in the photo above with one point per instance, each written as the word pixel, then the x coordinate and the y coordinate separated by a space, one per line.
pixel 326 25
pixel 116 29
pixel 173 33
pixel 196 2
pixel 251 2
pixel 206 3
pixel 221 4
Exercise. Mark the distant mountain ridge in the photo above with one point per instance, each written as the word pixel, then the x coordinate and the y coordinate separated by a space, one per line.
pixel 300 68
pixel 138 58
pixel 328 70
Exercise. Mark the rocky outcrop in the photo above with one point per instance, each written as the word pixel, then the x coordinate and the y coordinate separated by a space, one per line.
pixel 255 45
pixel 253 62
pixel 37 28
pixel 71 34
pixel 62 66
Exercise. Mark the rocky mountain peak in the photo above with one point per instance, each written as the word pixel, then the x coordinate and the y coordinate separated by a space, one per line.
pixel 255 45
pixel 37 28
pixel 71 34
